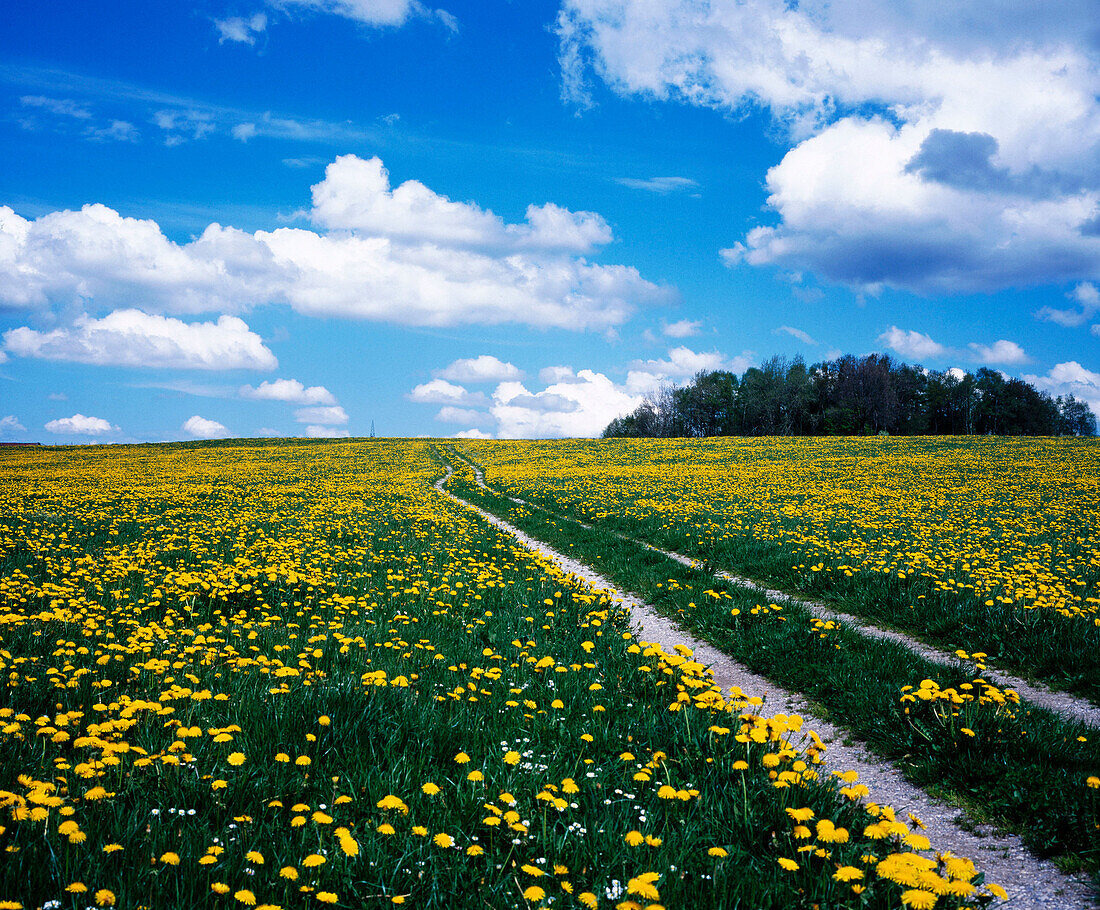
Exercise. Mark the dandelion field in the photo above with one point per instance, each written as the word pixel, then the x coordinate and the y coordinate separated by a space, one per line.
pixel 294 675
pixel 991 545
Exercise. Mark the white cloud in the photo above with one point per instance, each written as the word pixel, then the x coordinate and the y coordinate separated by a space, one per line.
pixel 356 195
pixel 472 434
pixel 572 403
pixel 181 125
pixel 1070 378
pixel 682 363
pixel 115 131
pixel 802 336
pixel 462 415
pixel 369 12
pixel 581 408
pixel 61 107
pixel 660 185
pixel 956 373
pixel 936 148
pixel 135 339
pixel 912 344
pixel 239 29
pixel 326 432
pixel 683 328
pixel 1006 352
pixel 553 374
pixel 410 257
pixel 202 428
pixel 324 416
pixel 79 425
pixel 920 346
pixel 484 368
pixel 290 390
pixel 1087 297
pixel 11 424
pixel 439 391
pixel 244 131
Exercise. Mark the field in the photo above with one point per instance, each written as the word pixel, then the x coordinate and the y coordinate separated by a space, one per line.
pixel 295 675
pixel 990 545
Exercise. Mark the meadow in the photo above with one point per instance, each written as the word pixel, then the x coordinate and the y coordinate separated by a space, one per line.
pixel 294 675
pixel 949 729
pixel 989 545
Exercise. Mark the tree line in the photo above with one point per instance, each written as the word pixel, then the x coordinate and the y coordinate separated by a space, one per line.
pixel 853 396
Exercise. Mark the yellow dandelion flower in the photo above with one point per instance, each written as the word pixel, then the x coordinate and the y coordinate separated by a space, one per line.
pixel 918 899
pixel 236 759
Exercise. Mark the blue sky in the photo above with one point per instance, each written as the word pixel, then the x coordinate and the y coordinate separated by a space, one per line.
pixel 296 217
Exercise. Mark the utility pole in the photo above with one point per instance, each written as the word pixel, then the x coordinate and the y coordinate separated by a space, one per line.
pixel 372 429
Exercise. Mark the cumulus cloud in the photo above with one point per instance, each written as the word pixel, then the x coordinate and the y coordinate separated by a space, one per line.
pixel 683 328
pixel 289 390
pixel 356 195
pixel 682 363
pixel 202 428
pixel 439 391
pixel 326 432
pixel 580 408
pixel 572 403
pixel 660 185
pixel 912 344
pixel 1070 378
pixel 332 415
pixel 408 256
pixel 11 424
pixel 132 338
pixel 484 368
pixel 920 346
pixel 472 433
pixel 79 425
pixel 937 149
pixel 1004 352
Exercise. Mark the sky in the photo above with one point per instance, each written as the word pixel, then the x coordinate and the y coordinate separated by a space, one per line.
pixel 516 218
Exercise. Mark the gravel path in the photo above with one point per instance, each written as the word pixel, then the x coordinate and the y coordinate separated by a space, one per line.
pixel 1031 883
pixel 1068 706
